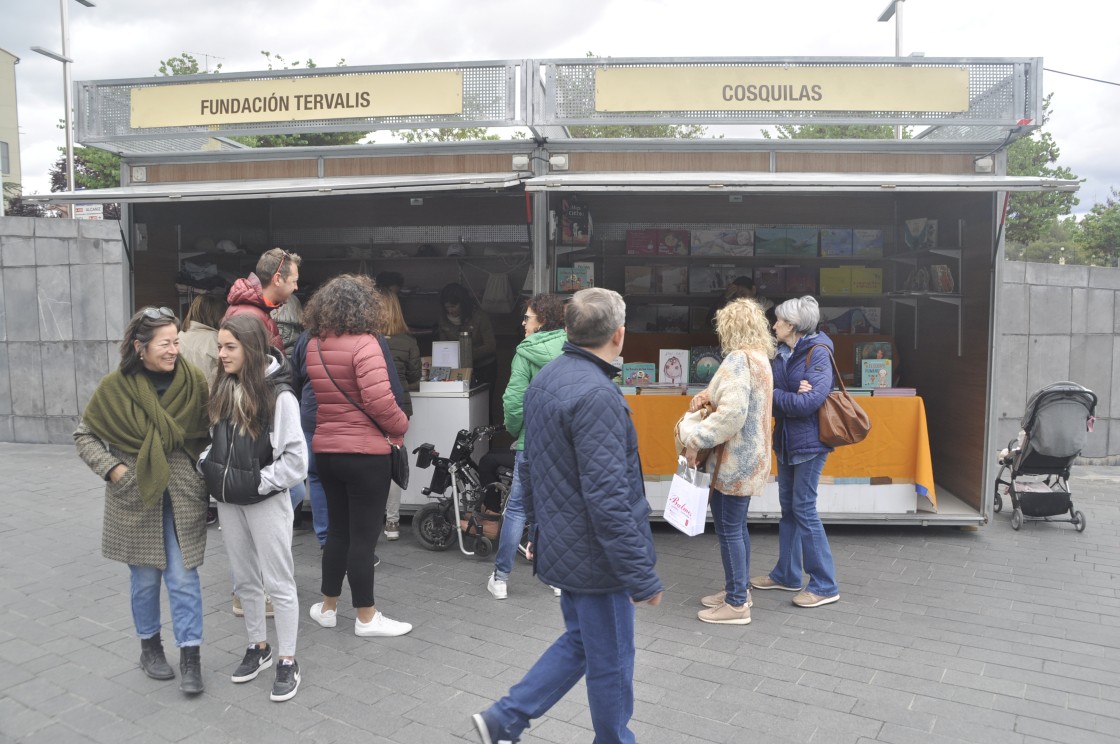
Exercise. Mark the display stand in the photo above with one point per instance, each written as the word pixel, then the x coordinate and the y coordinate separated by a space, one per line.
pixel 436 419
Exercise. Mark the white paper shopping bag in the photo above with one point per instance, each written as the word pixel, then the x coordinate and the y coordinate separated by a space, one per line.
pixel 687 505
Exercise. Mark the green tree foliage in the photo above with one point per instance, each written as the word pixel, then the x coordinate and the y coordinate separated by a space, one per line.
pixel 93 169
pixel 444 134
pixel 15 206
pixel 1061 242
pixel 1032 213
pixel 615 131
pixel 835 131
pixel 1100 231
pixel 184 64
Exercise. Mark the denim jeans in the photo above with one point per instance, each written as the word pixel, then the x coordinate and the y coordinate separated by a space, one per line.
pixel 513 524
pixel 730 516
pixel 598 643
pixel 802 544
pixel 184 592
pixel 318 498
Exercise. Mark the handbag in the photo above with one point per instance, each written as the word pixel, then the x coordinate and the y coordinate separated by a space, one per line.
pixel 398 455
pixel 840 419
pixel 684 426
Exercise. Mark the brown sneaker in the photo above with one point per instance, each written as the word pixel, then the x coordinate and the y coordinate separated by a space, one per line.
pixel 240 612
pixel 765 582
pixel 725 614
pixel 808 599
pixel 715 600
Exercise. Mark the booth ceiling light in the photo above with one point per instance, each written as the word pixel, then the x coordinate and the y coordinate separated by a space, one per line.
pixel 521 162
pixel 558 162
pixel 985 164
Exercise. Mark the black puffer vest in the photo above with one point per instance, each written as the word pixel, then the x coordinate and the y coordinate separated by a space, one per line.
pixel 232 470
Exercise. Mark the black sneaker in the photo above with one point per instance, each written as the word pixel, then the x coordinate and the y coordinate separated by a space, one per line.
pixel 489 731
pixel 211 515
pixel 255 660
pixel 287 681
pixel 376 561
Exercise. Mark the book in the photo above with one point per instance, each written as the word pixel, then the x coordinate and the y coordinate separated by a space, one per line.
pixel 712 279
pixel 898 392
pixel 574 278
pixel 849 320
pixel 875 373
pixel 941 279
pixel 704 361
pixel 698 320
pixel 800 282
pixel 867 243
pixel 588 270
pixel 770 241
pixel 638 373
pixel 641 242
pixel 639 280
pixel 672 279
pixel 739 242
pixel 803 241
pixel 870 350
pixel 575 222
pixel 867 280
pixel 915 233
pixel 672 319
pixel 770 281
pixel 836 281
pixel 672 366
pixel 673 242
pixel 836 242
pixel 439 374
pixel 641 318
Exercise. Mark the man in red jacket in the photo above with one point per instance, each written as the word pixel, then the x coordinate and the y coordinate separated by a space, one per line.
pixel 267 288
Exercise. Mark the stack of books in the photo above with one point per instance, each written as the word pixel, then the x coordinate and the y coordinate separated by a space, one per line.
pixel 662 388
pixel 897 392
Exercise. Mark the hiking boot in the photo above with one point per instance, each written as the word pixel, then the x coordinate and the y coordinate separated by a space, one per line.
pixel 152 660
pixel 190 669
pixel 808 599
pixel 287 681
pixel 497 587
pixel 765 582
pixel 238 611
pixel 255 660
pixel 489 731
pixel 381 626
pixel 715 600
pixel 393 529
pixel 327 619
pixel 725 614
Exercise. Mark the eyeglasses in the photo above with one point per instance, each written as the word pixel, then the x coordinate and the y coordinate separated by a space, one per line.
pixel 525 318
pixel 155 313
pixel 283 258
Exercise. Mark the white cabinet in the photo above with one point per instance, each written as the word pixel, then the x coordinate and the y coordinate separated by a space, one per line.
pixel 436 419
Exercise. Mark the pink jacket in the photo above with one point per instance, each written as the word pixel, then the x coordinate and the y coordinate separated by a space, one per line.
pixel 358 366
pixel 247 296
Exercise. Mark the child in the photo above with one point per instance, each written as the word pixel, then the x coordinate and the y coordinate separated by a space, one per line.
pixel 258 454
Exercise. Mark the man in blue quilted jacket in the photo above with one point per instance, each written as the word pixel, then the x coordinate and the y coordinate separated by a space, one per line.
pixel 581 471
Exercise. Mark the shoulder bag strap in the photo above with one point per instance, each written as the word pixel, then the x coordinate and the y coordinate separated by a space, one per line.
pixel 319 349
pixel 835 371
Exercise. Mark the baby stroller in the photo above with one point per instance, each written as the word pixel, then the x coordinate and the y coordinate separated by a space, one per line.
pixel 1054 428
pixel 437 523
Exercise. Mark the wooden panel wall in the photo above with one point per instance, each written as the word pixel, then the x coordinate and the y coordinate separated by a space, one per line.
pixel 231 171
pixel 431 164
pixel 868 162
pixel 669 161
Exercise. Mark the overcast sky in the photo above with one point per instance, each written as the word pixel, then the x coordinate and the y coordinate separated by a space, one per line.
pixel 128 38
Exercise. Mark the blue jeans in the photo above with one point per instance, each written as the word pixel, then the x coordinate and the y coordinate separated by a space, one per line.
pixel 802 544
pixel 598 643
pixel 319 518
pixel 730 516
pixel 513 524
pixel 184 592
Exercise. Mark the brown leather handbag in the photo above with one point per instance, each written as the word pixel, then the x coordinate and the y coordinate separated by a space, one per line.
pixel 840 419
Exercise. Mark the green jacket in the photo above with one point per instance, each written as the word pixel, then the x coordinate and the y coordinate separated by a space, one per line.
pixel 531 356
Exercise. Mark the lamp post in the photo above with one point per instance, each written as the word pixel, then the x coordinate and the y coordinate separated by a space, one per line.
pixel 67 93
pixel 895 10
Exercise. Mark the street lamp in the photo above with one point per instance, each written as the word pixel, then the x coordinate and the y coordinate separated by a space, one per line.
pixel 895 10
pixel 67 93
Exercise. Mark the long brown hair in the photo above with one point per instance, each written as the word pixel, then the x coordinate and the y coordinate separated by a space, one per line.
pixel 245 398
pixel 394 324
pixel 206 309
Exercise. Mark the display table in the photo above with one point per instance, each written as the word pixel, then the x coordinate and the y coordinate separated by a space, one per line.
pixel 436 419
pixel 897 448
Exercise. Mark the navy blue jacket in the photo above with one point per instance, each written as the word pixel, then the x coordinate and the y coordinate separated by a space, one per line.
pixel 590 508
pixel 308 406
pixel 796 431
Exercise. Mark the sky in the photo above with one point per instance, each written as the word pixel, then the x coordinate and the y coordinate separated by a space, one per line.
pixel 129 38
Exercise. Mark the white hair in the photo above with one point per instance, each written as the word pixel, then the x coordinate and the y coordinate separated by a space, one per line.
pixel 803 313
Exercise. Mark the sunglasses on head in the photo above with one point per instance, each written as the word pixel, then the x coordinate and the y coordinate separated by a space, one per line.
pixel 155 313
pixel 283 258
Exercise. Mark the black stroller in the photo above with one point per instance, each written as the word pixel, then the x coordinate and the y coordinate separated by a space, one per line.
pixel 1054 428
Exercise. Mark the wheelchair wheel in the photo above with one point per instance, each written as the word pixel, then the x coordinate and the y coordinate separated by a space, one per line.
pixel 483 547
pixel 997 506
pixel 1079 521
pixel 432 528
pixel 1016 519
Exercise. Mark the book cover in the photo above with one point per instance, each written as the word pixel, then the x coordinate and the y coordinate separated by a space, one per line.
pixel 870 350
pixel 672 366
pixel 704 361
pixel 915 233
pixel 770 241
pixel 573 278
pixel 836 280
pixel 672 242
pixel 672 279
pixel 836 242
pixel 641 242
pixel 770 281
pixel 639 280
pixel 575 222
pixel 931 234
pixel 867 280
pixel 849 320
pixel 641 318
pixel 803 241
pixel 588 269
pixel 638 373
pixel 738 242
pixel 672 319
pixel 867 243
pixel 711 279
pixel 875 373
pixel 941 279
pixel 698 320
pixel 801 282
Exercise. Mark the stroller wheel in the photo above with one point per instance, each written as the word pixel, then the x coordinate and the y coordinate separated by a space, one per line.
pixel 997 507
pixel 1079 521
pixel 1016 519
pixel 431 527
pixel 483 547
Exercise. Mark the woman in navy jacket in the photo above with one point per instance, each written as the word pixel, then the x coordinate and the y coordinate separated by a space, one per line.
pixel 802 381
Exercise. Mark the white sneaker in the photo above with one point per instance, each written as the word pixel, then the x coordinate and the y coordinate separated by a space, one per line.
pixel 497 587
pixel 555 590
pixel 393 529
pixel 327 619
pixel 381 626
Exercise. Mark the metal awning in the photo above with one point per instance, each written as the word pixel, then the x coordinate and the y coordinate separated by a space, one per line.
pixel 276 188
pixel 739 181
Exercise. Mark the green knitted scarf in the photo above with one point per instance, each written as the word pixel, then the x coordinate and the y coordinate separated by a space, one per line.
pixel 126 412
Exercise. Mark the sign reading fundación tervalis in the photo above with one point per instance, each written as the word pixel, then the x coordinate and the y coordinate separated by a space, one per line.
pixel 627 89
pixel 419 93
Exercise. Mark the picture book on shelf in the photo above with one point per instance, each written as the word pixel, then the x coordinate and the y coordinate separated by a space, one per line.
pixel 588 269
pixel 672 242
pixel 770 281
pixel 641 318
pixel 849 320
pixel 875 373
pixel 727 242
pixel 919 232
pixel 941 279
pixel 803 241
pixel 836 280
pixel 770 241
pixel 870 350
pixel 698 320
pixel 705 360
pixel 672 319
pixel 575 222
pixel 867 243
pixel 801 282
pixel 867 280
pixel 836 242
pixel 639 280
pixel 672 279
pixel 638 373
pixel 712 279
pixel 641 242
pixel 672 366
pixel 573 278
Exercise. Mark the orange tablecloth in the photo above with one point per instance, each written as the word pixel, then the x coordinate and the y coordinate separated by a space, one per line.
pixel 897 447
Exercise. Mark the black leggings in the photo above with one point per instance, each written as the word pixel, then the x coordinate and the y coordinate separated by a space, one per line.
pixel 356 487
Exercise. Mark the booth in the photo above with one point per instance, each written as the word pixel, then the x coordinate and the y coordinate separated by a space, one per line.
pixel 474 211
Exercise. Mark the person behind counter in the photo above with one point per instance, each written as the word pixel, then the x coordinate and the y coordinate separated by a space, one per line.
pixel 461 314
pixel 406 358
pixel 390 281
pixel 198 341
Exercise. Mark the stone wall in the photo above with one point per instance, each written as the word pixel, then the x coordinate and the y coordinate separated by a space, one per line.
pixel 62 313
pixel 1060 323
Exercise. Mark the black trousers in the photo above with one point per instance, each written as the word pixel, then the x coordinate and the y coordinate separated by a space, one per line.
pixel 357 487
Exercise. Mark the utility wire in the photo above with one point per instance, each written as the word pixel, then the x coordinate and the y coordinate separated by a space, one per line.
pixel 1083 77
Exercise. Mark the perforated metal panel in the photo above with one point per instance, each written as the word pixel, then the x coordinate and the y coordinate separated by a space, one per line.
pixel 439 235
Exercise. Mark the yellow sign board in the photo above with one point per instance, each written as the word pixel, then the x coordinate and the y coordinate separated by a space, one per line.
pixel 631 89
pixel 419 93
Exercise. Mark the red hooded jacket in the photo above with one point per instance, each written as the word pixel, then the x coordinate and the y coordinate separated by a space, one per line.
pixel 246 296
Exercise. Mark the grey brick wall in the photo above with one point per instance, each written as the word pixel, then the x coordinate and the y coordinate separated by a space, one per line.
pixel 62 312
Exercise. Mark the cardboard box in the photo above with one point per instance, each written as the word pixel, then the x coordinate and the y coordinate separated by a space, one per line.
pixel 836 281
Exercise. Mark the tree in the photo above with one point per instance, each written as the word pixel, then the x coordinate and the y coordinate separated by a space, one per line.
pixel 184 64
pixel 835 131
pixel 1061 243
pixel 1100 231
pixel 93 169
pixel 444 134
pixel 15 206
pixel 1031 213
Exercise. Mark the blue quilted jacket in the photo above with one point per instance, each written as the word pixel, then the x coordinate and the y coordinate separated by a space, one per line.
pixel 796 432
pixel 584 481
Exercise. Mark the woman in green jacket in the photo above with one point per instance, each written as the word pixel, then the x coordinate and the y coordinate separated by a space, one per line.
pixel 544 338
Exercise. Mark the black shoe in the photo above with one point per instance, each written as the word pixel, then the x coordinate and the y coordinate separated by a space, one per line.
pixel 255 660
pixel 152 660
pixel 190 668
pixel 287 681
pixel 376 561
pixel 211 515
pixel 489 731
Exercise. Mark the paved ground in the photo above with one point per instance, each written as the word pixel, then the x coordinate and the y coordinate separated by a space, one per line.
pixel 940 636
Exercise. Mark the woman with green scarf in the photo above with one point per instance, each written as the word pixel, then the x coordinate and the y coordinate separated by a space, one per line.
pixel 142 432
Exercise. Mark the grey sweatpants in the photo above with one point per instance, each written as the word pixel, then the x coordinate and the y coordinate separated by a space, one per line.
pixel 258 539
